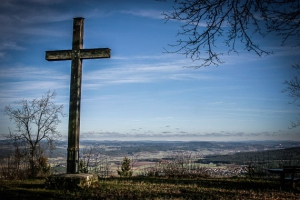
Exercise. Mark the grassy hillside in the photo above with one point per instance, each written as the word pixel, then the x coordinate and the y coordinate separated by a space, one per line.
pixel 153 188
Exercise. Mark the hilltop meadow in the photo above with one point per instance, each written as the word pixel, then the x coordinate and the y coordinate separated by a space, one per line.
pixel 162 170
pixel 153 188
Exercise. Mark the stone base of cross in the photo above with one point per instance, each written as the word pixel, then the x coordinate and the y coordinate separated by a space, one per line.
pixel 70 181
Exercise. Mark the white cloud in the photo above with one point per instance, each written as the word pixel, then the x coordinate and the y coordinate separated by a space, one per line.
pixel 46 2
pixel 44 32
pixel 2 55
pixel 10 45
pixel 154 14
pixel 142 73
pixel 21 72
pixel 185 136
pixel 145 57
pixel 28 82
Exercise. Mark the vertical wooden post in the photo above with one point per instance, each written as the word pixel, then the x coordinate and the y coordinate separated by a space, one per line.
pixel 75 98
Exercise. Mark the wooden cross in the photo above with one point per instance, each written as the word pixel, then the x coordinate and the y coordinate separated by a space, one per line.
pixel 76 55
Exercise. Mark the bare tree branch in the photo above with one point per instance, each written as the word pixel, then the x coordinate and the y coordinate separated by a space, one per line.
pixel 208 24
pixel 293 90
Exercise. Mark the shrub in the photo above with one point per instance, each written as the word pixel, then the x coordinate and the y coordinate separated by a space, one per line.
pixel 125 168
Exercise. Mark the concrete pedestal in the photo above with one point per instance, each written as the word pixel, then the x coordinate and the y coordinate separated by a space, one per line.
pixel 70 181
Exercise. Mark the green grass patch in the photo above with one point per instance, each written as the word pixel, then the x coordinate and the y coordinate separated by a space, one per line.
pixel 153 188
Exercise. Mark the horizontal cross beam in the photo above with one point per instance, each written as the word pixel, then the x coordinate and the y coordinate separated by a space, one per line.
pixel 81 53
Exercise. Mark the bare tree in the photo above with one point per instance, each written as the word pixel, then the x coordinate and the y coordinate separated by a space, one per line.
pixel 206 22
pixel 35 121
pixel 293 90
pixel 91 161
pixel 86 157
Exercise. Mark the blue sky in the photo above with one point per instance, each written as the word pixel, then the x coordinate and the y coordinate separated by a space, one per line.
pixel 141 92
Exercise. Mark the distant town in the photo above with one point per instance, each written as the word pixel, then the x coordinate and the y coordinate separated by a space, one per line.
pixel 212 158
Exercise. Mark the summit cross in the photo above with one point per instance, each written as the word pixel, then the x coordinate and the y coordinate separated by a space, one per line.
pixel 76 55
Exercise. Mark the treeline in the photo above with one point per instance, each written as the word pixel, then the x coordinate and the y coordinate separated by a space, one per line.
pixel 269 158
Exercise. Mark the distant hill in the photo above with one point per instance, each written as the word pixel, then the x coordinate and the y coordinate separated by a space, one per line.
pixel 287 156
